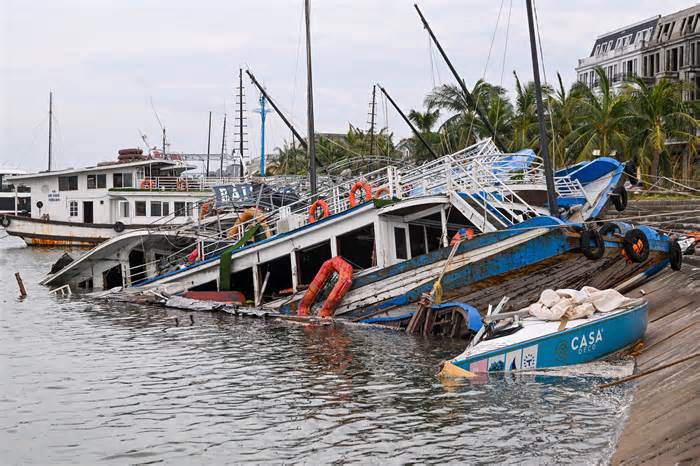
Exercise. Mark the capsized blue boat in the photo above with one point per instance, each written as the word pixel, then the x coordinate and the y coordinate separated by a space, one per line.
pixel 540 344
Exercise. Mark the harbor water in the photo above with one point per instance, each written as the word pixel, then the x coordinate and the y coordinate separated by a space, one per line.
pixel 83 382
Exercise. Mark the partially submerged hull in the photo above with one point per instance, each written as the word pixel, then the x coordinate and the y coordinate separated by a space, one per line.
pixel 38 232
pixel 540 344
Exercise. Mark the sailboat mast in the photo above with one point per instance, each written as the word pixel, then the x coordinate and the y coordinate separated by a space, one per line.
pixel 223 149
pixel 209 144
pixel 50 125
pixel 311 145
pixel 371 124
pixel 240 119
pixel 544 141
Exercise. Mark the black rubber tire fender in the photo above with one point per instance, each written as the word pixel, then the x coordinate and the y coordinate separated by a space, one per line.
pixel 619 198
pixel 609 228
pixel 119 227
pixel 675 255
pixel 596 251
pixel 630 240
pixel 5 221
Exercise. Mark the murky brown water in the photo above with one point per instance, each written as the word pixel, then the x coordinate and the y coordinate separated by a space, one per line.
pixel 88 383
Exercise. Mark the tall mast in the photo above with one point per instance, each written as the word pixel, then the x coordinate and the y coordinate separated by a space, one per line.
pixel 311 147
pixel 408 122
pixel 468 96
pixel 50 125
pixel 263 115
pixel 209 143
pixel 544 141
pixel 371 124
pixel 240 118
pixel 164 156
pixel 223 149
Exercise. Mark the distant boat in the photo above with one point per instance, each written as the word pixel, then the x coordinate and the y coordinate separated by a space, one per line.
pixel 14 199
pixel 537 344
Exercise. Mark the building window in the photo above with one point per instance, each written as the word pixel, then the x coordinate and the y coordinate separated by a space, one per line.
pixel 122 180
pixel 97 181
pixel 73 208
pixel 124 209
pixel 140 208
pixel 597 50
pixel 67 183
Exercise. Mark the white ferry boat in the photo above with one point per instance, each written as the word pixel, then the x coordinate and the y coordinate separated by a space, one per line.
pixel 14 199
pixel 86 206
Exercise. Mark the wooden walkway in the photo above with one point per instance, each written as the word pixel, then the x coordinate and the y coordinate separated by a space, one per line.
pixel 664 422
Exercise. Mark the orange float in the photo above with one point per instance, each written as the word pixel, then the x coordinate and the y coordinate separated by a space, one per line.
pixel 366 189
pixel 249 214
pixel 323 205
pixel 147 183
pixel 181 185
pixel 204 210
pixel 344 270
pixel 382 190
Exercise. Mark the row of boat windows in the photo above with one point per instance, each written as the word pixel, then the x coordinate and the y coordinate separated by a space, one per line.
pixel 155 209
pixel 96 181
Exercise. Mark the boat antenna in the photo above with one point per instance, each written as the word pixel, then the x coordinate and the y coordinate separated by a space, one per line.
pixel 159 124
pixel 468 96
pixel 311 149
pixel 50 125
pixel 208 143
pixel 544 141
pixel 408 122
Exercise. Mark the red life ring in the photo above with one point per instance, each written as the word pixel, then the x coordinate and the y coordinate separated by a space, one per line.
pixel 147 183
pixel 181 185
pixel 382 190
pixel 366 189
pixel 314 207
pixel 334 264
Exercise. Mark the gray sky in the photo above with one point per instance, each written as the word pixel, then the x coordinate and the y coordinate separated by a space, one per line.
pixel 107 60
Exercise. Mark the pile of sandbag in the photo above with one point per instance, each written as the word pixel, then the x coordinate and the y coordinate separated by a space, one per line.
pixel 574 304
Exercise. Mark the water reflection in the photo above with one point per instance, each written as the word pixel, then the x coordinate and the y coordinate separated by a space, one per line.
pixel 84 382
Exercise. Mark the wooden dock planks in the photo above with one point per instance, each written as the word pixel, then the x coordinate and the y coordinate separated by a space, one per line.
pixel 664 422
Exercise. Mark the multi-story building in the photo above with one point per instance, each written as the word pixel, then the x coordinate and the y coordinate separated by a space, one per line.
pixel 658 47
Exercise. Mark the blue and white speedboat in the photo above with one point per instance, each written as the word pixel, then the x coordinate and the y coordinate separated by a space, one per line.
pixel 536 344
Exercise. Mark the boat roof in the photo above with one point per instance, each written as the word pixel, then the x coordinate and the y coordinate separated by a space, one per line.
pixel 111 166
pixel 11 171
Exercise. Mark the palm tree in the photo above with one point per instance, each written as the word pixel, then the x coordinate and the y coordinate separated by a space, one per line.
pixel 659 115
pixel 424 121
pixel 562 106
pixel 600 121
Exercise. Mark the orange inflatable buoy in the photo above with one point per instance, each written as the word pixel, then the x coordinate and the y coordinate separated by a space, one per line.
pixel 181 185
pixel 147 183
pixel 323 205
pixel 366 189
pixel 344 270
pixel 204 210
pixel 249 214
pixel 382 190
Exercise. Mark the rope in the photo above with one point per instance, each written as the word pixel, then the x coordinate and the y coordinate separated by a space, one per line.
pixel 650 371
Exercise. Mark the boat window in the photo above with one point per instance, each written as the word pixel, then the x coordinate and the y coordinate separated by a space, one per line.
pixel 67 183
pixel 400 243
pixel 96 181
pixel 358 247
pixel 279 283
pixel 179 209
pixel 122 180
pixel 242 281
pixel 140 208
pixel 311 259
pixel 73 208
pixel 165 209
pixel 124 209
pixel 155 209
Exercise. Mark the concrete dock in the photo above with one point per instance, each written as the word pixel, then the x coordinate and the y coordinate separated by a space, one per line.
pixel 663 426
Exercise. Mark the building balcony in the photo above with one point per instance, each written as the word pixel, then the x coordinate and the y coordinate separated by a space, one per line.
pixel 615 53
pixel 667 74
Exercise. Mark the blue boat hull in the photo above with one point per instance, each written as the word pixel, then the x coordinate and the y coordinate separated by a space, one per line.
pixel 584 343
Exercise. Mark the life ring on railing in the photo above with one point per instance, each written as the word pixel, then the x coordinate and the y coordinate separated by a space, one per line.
pixel 181 185
pixel 249 214
pixel 313 210
pixel 344 270
pixel 675 255
pixel 5 221
pixel 147 183
pixel 593 251
pixel 383 190
pixel 204 209
pixel 635 246
pixel 366 189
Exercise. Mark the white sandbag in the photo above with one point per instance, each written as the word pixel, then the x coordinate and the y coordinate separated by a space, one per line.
pixel 543 312
pixel 574 304
pixel 605 300
pixel 549 298
pixel 580 311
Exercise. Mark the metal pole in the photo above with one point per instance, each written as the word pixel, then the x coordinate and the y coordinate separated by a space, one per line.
pixel 470 100
pixel 208 144
pixel 50 125
pixel 263 114
pixel 164 156
pixel 371 125
pixel 240 118
pixel 223 148
pixel 544 141
pixel 408 122
pixel 311 133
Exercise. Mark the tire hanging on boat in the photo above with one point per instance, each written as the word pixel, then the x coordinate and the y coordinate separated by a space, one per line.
pixel 118 227
pixel 344 270
pixel 610 227
pixel 366 191
pixel 675 255
pixel 635 245
pixel 595 251
pixel 619 198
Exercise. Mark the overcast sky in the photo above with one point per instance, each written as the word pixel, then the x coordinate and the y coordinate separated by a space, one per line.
pixel 110 63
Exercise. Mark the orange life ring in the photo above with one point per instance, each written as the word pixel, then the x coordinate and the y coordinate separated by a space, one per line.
pixel 181 185
pixel 382 190
pixel 204 210
pixel 366 189
pixel 147 183
pixel 249 214
pixel 314 207
pixel 334 264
